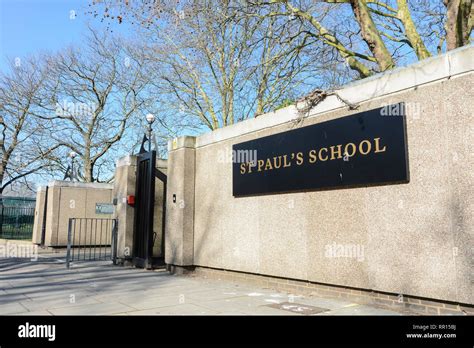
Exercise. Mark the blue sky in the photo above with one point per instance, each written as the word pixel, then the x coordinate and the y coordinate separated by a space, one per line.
pixel 32 26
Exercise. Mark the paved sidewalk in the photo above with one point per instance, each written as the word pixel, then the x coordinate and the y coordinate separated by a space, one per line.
pixel 46 287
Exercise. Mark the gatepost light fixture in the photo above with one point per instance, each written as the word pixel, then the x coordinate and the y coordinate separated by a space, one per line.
pixel 150 118
pixel 72 155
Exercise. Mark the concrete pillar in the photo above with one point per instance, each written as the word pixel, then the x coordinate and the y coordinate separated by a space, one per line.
pixel 162 166
pixel 52 216
pixel 124 185
pixel 179 236
pixel 39 214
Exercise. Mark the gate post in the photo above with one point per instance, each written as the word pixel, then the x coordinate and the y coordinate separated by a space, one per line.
pixel 124 186
pixel 1 217
pixel 179 227
pixel 114 241
pixel 69 242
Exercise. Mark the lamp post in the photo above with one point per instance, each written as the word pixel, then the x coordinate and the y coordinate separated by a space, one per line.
pixel 150 118
pixel 72 155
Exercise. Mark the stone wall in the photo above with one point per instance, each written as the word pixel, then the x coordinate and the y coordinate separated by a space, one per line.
pixel 65 200
pixel 417 238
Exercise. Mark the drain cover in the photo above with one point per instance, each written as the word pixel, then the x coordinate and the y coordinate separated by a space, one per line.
pixel 298 308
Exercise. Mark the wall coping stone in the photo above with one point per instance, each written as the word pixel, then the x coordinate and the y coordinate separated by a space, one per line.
pixel 128 160
pixel 63 183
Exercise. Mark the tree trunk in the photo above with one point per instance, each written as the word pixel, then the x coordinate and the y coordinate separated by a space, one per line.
pixel 2 173
pixel 458 23
pixel 260 96
pixel 410 30
pixel 88 169
pixel 88 165
pixel 371 35
pixel 231 106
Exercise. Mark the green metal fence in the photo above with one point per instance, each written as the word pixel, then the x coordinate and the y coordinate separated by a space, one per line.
pixel 16 218
pixel 9 201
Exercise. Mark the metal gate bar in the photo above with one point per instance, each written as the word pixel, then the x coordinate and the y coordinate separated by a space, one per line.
pixel 91 239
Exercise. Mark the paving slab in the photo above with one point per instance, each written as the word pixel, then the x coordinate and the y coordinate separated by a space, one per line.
pixel 151 302
pixel 46 287
pixel 180 309
pixel 12 308
pixel 36 313
pixel 356 309
pixel 92 309
pixel 58 302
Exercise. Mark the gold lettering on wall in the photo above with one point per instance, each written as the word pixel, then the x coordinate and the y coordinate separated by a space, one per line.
pixel 377 146
pixel 299 158
pixel 268 164
pixel 275 165
pixel 354 149
pixel 320 156
pixel 338 152
pixel 330 153
pixel 361 147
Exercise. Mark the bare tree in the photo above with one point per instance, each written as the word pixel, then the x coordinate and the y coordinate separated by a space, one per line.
pixel 204 46
pixel 25 144
pixel 386 28
pixel 222 67
pixel 98 89
pixel 215 64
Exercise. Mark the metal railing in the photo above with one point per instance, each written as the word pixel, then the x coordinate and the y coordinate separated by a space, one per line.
pixel 16 222
pixel 91 239
pixel 10 201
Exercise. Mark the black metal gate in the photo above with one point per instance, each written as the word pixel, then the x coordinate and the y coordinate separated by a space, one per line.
pixel 144 234
pixel 144 206
pixel 91 239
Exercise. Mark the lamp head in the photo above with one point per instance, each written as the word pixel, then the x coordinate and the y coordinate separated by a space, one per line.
pixel 150 118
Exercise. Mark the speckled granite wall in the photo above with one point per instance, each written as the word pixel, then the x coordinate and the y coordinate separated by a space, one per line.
pixel 414 239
